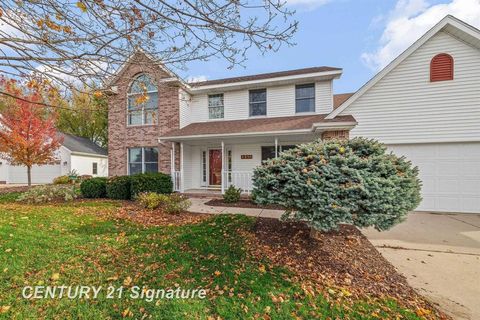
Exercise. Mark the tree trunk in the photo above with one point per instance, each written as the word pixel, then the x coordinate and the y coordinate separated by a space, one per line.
pixel 29 175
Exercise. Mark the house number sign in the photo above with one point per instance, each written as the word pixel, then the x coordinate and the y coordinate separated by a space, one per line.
pixel 246 156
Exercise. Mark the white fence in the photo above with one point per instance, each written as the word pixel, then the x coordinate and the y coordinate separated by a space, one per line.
pixel 239 179
pixel 177 180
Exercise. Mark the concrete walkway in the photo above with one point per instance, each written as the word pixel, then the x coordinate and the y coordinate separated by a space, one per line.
pixel 198 205
pixel 440 256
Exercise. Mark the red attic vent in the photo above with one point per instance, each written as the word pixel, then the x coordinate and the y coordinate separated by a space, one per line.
pixel 441 67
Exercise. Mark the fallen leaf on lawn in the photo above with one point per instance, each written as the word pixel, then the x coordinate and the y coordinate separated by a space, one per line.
pixel 217 273
pixel 5 270
pixel 8 250
pixel 55 276
pixel 127 313
pixel 422 312
pixel 261 268
pixel 127 281
pixel 112 278
pixel 4 309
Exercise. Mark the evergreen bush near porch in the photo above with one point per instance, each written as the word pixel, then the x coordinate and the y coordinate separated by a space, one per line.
pixel 157 182
pixel 94 188
pixel 119 188
pixel 327 183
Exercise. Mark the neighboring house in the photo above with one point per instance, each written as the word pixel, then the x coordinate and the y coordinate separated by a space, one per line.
pixel 211 134
pixel 76 153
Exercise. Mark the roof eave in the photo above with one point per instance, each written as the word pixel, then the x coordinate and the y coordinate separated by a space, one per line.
pixel 323 75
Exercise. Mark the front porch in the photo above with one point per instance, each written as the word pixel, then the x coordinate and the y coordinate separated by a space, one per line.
pixel 208 168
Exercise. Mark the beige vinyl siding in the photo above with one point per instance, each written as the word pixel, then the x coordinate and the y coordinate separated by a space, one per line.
pixel 405 107
pixel 185 111
pixel 280 103
pixel 324 97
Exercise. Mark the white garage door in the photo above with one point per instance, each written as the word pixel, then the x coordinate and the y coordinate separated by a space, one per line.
pixel 450 173
pixel 40 174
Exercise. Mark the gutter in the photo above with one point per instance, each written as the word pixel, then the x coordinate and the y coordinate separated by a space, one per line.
pixel 316 128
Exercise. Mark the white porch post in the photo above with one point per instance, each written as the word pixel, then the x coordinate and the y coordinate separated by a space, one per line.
pixel 276 147
pixel 181 168
pixel 223 167
pixel 172 158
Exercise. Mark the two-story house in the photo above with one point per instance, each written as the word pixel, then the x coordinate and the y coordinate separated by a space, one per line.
pixel 212 134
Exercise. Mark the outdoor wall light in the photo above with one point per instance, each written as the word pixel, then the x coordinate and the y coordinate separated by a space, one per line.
pixel 65 163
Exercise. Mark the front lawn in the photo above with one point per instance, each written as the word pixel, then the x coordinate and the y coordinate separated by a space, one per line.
pixel 87 243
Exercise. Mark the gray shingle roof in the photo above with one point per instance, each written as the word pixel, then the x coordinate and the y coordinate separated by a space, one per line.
pixel 83 145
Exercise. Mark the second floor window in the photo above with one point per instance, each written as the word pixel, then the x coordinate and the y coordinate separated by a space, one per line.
pixel 215 106
pixel 258 102
pixel 305 98
pixel 142 101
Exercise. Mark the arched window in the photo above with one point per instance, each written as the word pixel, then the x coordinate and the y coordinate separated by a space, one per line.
pixel 142 101
pixel 441 67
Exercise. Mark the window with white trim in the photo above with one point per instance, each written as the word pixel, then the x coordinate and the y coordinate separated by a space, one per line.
pixel 142 160
pixel 142 101
pixel 94 168
pixel 215 106
pixel 258 102
pixel 305 98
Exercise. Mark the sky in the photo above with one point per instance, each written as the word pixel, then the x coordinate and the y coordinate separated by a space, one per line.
pixel 360 36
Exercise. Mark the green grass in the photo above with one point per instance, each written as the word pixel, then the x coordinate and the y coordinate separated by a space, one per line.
pixel 37 242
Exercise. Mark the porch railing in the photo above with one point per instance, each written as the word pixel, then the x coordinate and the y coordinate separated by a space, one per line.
pixel 239 179
pixel 177 180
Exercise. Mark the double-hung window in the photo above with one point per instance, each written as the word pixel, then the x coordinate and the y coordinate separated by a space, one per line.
pixel 305 98
pixel 258 102
pixel 141 160
pixel 215 106
pixel 142 101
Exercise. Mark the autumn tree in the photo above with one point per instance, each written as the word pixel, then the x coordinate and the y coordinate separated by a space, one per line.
pixel 85 115
pixel 85 41
pixel 28 135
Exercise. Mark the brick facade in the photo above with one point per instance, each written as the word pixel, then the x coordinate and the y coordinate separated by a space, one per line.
pixel 121 137
pixel 337 134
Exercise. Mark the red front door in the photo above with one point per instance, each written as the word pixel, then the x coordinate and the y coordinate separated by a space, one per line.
pixel 215 167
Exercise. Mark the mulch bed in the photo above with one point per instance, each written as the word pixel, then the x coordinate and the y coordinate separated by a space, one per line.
pixel 13 189
pixel 242 204
pixel 341 259
pixel 132 212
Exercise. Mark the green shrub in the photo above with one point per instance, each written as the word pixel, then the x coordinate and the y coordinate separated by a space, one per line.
pixel 48 193
pixel 151 200
pixel 94 188
pixel 119 188
pixel 171 204
pixel 232 194
pixel 341 181
pixel 62 180
pixel 151 182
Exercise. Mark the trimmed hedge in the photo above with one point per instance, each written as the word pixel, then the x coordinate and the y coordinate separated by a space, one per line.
pixel 119 188
pixel 94 188
pixel 157 182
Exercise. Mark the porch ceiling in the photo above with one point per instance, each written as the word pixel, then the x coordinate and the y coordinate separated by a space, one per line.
pixel 264 139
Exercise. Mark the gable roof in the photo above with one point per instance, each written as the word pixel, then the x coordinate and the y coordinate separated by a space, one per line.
pixel 155 61
pixel 81 145
pixel 262 76
pixel 290 124
pixel 339 99
pixel 449 24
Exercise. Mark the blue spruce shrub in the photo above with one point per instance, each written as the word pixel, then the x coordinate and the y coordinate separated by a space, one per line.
pixel 327 183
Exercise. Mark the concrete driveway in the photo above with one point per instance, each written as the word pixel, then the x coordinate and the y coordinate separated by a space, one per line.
pixel 440 256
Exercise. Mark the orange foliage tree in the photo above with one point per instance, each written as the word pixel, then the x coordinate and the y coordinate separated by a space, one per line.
pixel 27 128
